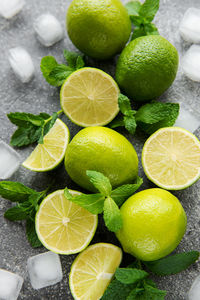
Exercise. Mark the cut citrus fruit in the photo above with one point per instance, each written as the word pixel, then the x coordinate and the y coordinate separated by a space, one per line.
pixel 89 97
pixel 171 158
pixel 48 155
pixel 92 271
pixel 62 226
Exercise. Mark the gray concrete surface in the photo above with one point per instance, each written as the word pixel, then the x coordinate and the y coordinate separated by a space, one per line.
pixel 38 96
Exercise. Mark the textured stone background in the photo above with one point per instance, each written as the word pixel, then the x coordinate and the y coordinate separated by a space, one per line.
pixel 38 96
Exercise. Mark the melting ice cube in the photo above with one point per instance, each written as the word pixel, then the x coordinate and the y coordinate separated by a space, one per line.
pixel 9 8
pixel 10 285
pixel 194 292
pixel 9 161
pixel 21 63
pixel 191 63
pixel 187 120
pixel 44 270
pixel 190 26
pixel 49 30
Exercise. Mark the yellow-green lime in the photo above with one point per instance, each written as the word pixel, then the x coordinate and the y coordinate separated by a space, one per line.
pixel 62 226
pixel 154 223
pixel 103 150
pixel 49 155
pixel 92 271
pixel 89 97
pixel 99 28
pixel 171 158
pixel 147 67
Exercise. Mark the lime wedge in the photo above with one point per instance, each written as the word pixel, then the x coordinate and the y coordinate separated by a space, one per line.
pixel 89 97
pixel 62 226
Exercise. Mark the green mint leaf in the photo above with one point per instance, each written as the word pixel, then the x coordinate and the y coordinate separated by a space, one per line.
pixel 60 73
pixel 130 124
pixel 133 8
pixel 32 235
pixel 112 215
pixel 25 119
pixel 71 58
pixel 135 294
pixel 154 293
pixel 34 199
pixel 25 136
pixel 149 9
pixel 117 122
pixel 120 194
pixel 44 116
pixel 48 63
pixel 100 182
pixel 172 264
pixel 150 282
pixel 138 31
pixel 79 63
pixel 151 29
pixel 47 127
pixel 93 202
pixel 16 213
pixel 15 191
pixel 129 275
pixel 117 291
pixel 124 104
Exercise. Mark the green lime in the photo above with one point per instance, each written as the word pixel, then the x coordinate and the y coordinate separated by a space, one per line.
pixel 154 223
pixel 104 150
pixel 147 67
pixel 98 28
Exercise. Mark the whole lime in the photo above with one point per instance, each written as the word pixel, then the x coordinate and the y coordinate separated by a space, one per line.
pixel 154 223
pixel 147 67
pixel 98 28
pixel 104 150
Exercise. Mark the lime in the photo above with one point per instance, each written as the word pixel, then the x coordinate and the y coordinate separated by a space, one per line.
pixel 147 67
pixel 104 150
pixel 62 226
pixel 49 155
pixel 92 271
pixel 171 158
pixel 99 28
pixel 89 97
pixel 154 223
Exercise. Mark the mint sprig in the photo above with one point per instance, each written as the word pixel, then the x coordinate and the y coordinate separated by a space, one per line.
pixel 141 16
pixel 107 201
pixel 55 73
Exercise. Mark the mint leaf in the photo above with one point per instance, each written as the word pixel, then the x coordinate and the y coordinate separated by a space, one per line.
pixel 151 29
pixel 154 293
pixel 71 58
pixel 25 136
pixel 137 32
pixel 93 202
pixel 117 122
pixel 32 235
pixel 120 194
pixel 15 191
pixel 172 264
pixel 100 182
pixel 149 9
pixel 129 275
pixel 124 104
pixel 48 63
pixel 130 124
pixel 112 215
pixel 34 200
pixel 16 213
pixel 135 293
pixel 133 7
pixel 80 63
pixel 117 291
pixel 25 119
pixel 47 126
pixel 60 73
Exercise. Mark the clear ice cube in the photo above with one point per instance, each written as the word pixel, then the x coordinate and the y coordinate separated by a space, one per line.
pixel 10 285
pixel 9 8
pixel 191 63
pixel 21 63
pixel 44 270
pixel 190 26
pixel 9 161
pixel 187 120
pixel 194 292
pixel 49 30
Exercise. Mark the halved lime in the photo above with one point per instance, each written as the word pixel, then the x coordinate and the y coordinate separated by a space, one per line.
pixel 62 226
pixel 89 97
pixel 49 155
pixel 92 271
pixel 171 158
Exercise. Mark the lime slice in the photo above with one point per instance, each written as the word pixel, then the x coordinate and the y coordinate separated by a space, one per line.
pixel 171 158
pixel 89 97
pixel 92 271
pixel 62 226
pixel 48 155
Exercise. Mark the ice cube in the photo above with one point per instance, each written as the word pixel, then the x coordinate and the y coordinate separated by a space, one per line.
pixel 44 270
pixel 187 119
pixel 191 63
pixel 194 292
pixel 10 285
pixel 21 63
pixel 9 8
pixel 9 161
pixel 49 30
pixel 190 26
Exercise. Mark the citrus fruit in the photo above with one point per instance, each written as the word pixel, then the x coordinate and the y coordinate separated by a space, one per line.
pixel 171 158
pixel 62 226
pixel 147 67
pixel 154 223
pixel 92 271
pixel 89 97
pixel 99 28
pixel 49 155
pixel 103 150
